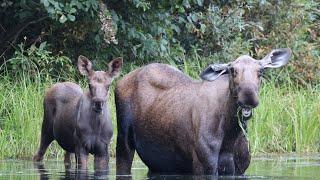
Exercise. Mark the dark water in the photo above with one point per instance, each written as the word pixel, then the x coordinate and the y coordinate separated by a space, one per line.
pixel 266 167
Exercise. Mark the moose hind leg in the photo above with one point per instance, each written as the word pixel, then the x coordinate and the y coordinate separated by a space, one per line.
pixel 124 153
pixel 67 160
pixel 125 141
pixel 46 131
pixel 45 141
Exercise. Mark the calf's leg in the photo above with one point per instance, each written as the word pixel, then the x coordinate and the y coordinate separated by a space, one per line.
pixel 67 160
pixel 46 136
pixel 81 157
pixel 101 160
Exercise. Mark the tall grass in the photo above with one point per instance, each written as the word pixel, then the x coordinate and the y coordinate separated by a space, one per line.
pixel 21 115
pixel 287 119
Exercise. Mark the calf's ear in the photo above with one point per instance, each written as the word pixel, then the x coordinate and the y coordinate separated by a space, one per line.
pixel 213 71
pixel 84 66
pixel 115 67
pixel 276 58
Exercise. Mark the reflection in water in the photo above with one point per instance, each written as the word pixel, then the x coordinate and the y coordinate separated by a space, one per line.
pixel 70 173
pixel 275 167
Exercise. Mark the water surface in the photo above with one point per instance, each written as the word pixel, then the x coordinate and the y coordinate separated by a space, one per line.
pixel 263 167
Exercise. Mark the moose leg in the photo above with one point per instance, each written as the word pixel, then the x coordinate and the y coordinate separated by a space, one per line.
pixel 124 153
pixel 45 141
pixel 46 131
pixel 242 156
pixel 67 160
pixel 101 159
pixel 226 164
pixel 125 141
pixel 81 157
pixel 206 156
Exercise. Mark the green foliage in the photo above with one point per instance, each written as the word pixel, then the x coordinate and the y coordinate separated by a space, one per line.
pixel 287 120
pixel 168 31
pixel 37 62
pixel 67 11
pixel 219 31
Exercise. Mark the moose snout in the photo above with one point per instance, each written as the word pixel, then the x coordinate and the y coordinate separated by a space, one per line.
pixel 98 104
pixel 248 97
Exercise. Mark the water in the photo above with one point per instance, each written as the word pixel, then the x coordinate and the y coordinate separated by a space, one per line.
pixel 264 167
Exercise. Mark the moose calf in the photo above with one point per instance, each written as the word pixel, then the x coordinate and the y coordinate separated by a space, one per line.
pixel 80 121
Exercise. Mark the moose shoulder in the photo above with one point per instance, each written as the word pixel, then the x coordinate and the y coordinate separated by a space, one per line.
pixel 79 121
pixel 178 125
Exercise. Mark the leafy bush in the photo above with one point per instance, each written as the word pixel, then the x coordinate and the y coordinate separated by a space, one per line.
pixel 37 62
pixel 220 31
pixel 168 31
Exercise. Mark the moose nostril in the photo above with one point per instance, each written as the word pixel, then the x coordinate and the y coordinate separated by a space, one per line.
pixel 99 104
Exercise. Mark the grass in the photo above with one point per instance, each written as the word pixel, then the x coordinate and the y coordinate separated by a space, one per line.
pixel 287 119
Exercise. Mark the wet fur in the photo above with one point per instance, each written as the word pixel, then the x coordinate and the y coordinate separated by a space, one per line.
pixel 66 113
pixel 79 121
pixel 174 123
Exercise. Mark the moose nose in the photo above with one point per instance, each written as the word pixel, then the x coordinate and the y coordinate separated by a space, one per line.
pixel 248 98
pixel 98 104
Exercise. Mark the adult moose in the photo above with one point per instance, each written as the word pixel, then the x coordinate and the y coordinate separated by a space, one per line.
pixel 178 125
pixel 80 121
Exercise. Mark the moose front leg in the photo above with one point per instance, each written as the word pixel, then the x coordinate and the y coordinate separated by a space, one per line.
pixel 226 164
pixel 206 156
pixel 81 156
pixel 101 159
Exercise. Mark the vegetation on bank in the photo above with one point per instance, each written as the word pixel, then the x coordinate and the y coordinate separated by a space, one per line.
pixel 40 41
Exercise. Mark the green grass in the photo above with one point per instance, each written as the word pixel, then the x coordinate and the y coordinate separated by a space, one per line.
pixel 287 119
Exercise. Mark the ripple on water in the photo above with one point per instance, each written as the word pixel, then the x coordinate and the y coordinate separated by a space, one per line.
pixel 262 167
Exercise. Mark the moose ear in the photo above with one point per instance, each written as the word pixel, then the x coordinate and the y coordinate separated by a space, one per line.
pixel 84 65
pixel 115 67
pixel 212 72
pixel 276 58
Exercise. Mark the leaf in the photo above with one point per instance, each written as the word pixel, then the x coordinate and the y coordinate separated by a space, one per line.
pixel 71 17
pixel 202 28
pixel 42 45
pixel 186 4
pixel 45 3
pixel 63 19
pixel 175 28
pixel 73 10
pixel 194 17
pixel 200 2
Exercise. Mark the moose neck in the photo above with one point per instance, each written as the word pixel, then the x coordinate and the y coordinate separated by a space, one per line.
pixel 235 118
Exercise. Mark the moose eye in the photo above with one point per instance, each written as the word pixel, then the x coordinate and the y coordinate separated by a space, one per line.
pixel 233 71
pixel 91 89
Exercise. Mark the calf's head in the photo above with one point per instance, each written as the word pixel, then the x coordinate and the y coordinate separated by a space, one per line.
pixel 99 81
pixel 245 76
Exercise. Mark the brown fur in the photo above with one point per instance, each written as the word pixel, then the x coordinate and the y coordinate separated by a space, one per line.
pixel 79 121
pixel 178 125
